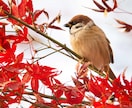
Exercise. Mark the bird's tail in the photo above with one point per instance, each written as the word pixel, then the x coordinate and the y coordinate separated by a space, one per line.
pixel 110 73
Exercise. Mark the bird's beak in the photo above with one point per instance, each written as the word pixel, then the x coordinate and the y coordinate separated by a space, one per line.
pixel 68 25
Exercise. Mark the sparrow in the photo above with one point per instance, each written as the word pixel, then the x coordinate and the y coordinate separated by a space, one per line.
pixel 91 43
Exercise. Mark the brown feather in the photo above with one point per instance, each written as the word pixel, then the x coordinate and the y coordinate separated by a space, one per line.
pixel 90 42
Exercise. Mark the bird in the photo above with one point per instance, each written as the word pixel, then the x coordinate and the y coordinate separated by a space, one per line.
pixel 90 42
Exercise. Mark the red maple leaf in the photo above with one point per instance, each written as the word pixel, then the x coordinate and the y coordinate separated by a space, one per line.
pixel 8 56
pixel 125 26
pixel 37 13
pixel 121 91
pixel 3 7
pixel 35 73
pixel 22 11
pixel 105 6
pixel 74 95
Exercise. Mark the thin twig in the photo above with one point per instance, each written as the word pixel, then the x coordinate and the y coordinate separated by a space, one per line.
pixel 35 104
pixel 49 46
pixel 54 98
pixel 123 11
pixel 47 55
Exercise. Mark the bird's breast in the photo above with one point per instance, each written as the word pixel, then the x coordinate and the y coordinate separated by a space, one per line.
pixel 92 45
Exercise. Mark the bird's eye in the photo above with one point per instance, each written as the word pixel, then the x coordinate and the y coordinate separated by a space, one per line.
pixel 78 26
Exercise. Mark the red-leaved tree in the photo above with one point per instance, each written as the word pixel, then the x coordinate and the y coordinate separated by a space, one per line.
pixel 21 79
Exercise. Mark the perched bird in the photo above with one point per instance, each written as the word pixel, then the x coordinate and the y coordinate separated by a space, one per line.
pixel 90 42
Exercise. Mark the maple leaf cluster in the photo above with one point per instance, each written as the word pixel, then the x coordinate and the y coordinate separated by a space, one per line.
pixel 104 7
pixel 19 78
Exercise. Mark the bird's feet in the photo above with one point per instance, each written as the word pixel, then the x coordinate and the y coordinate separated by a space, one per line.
pixel 82 68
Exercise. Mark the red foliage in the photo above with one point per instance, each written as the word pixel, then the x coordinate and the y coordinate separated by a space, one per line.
pixel 35 72
pixel 4 44
pixel 120 90
pixel 74 95
pixel 8 43
pixel 37 13
pixel 22 11
pixel 106 7
pixel 10 82
pixel 3 6
pixel 125 26
pixel 57 18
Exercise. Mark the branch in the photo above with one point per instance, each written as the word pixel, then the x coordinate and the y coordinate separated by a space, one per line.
pixel 35 104
pixel 44 35
pixel 54 41
pixel 68 54
pixel 53 97
pixel 48 55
